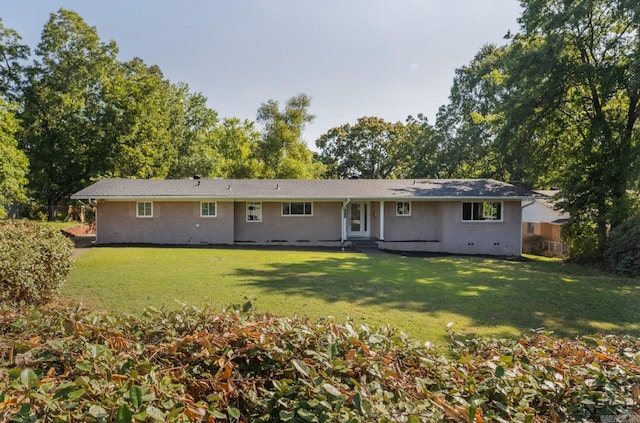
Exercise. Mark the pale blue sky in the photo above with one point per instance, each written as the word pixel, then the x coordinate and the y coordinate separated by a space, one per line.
pixel 354 58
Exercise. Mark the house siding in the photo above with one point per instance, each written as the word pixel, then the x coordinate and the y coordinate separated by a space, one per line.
pixel 173 222
pixel 485 237
pixel 323 227
pixel 423 224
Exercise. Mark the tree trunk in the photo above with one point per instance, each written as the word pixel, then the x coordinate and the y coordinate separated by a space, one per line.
pixel 51 209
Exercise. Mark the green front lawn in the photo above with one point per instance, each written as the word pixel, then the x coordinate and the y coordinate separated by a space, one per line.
pixel 417 295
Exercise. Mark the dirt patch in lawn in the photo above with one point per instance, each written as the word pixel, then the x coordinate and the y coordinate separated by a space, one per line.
pixel 80 230
pixel 82 237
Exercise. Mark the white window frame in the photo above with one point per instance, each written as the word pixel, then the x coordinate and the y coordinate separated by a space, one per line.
pixel 304 209
pixel 249 211
pixel 208 203
pixel 401 210
pixel 482 218
pixel 143 204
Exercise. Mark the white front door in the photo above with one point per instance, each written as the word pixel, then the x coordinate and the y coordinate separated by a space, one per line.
pixel 358 220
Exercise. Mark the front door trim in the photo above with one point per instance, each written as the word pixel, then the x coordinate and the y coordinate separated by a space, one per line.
pixel 359 219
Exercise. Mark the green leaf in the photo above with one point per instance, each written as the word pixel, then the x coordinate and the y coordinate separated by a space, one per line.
pixel 285 415
pixel 85 366
pixel 307 415
pixel 301 367
pixel 135 395
pixel 124 414
pixel 73 395
pixel 246 307
pixel 234 412
pixel 29 379
pixel 98 412
pixel 14 373
pixel 218 414
pixel 155 413
pixel 332 389
pixel 499 371
pixel 141 416
pixel 45 399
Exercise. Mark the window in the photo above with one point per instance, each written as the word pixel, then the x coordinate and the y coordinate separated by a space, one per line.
pixel 482 211
pixel 531 227
pixel 403 208
pixel 297 209
pixel 207 209
pixel 144 209
pixel 254 212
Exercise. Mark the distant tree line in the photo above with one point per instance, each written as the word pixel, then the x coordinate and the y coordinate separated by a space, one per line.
pixel 556 106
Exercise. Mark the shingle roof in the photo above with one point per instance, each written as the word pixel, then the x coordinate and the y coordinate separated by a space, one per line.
pixel 325 189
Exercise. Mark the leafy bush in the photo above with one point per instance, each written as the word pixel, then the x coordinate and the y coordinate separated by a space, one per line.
pixel 534 244
pixel 76 365
pixel 34 262
pixel 623 248
pixel 582 241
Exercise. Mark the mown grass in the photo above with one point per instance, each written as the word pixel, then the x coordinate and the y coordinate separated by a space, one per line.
pixel 419 296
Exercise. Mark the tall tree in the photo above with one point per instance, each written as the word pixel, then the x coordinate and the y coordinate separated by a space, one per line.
pixel 13 162
pixel 576 78
pixel 63 105
pixel 12 56
pixel 237 143
pixel 194 130
pixel 371 148
pixel 421 152
pixel 141 100
pixel 466 128
pixel 282 151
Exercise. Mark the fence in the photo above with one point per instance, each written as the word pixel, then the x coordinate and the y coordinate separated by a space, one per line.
pixel 76 213
pixel 555 248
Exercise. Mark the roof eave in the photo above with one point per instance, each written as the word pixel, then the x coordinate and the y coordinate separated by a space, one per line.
pixel 284 198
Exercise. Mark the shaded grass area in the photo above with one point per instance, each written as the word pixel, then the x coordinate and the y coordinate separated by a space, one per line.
pixel 417 295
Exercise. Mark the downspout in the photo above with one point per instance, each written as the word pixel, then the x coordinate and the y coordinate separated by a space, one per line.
pixel 95 218
pixel 343 229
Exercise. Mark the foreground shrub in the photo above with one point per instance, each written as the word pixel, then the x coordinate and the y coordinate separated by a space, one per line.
pixel 623 248
pixel 34 262
pixel 190 365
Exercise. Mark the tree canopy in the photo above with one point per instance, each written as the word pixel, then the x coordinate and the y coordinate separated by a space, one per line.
pixel 558 105
pixel 282 152
pixel 86 115
pixel 13 162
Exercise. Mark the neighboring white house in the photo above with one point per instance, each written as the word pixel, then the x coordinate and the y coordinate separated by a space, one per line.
pixel 467 216
pixel 539 217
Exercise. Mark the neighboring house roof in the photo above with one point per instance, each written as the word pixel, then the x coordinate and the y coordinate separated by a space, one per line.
pixel 542 209
pixel 317 189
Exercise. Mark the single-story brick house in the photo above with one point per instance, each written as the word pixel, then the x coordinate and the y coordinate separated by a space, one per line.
pixel 464 216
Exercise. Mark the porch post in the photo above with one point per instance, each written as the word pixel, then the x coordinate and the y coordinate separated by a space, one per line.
pixel 381 220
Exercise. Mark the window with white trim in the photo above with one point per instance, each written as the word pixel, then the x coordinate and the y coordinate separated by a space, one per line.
pixel 144 209
pixel 207 209
pixel 482 211
pixel 297 208
pixel 254 212
pixel 403 208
